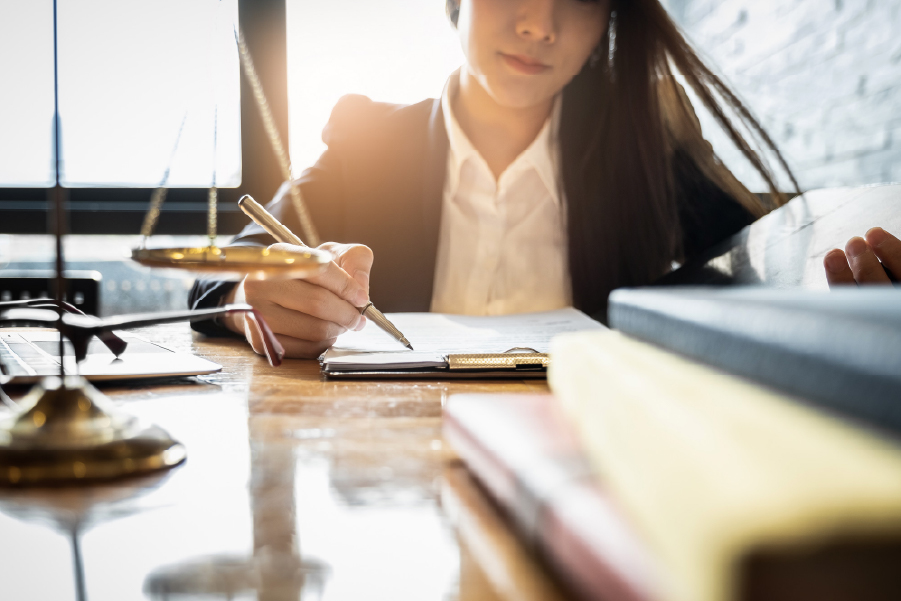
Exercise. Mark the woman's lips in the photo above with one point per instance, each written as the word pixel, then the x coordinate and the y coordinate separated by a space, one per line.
pixel 524 64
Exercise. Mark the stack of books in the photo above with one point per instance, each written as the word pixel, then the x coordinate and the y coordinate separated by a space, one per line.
pixel 715 445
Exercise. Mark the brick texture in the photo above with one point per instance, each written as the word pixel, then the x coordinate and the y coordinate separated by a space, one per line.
pixel 822 76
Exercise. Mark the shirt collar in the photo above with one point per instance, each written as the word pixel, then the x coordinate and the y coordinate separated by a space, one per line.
pixel 542 154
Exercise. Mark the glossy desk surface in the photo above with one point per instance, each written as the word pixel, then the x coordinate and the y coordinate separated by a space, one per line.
pixel 294 488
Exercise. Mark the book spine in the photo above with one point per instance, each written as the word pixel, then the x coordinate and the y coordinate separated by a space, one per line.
pixel 841 364
pixel 571 524
pixel 490 548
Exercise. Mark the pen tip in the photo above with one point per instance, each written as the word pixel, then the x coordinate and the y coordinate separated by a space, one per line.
pixel 409 346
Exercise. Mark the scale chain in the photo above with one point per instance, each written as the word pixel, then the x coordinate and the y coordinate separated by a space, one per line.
pixel 153 213
pixel 306 223
pixel 212 200
pixel 158 197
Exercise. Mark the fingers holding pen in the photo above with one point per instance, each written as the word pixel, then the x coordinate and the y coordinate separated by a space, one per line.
pixel 301 334
pixel 355 260
pixel 301 308
pixel 308 315
pixel 294 347
pixel 347 275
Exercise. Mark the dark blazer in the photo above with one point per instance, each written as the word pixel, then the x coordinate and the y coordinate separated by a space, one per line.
pixel 381 181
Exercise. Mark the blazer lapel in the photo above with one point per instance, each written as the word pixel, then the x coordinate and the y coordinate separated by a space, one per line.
pixel 435 170
pixel 393 184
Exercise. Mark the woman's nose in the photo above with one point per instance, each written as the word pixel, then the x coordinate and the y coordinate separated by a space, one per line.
pixel 536 22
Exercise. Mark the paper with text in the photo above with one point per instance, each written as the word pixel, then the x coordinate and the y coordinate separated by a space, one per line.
pixel 436 335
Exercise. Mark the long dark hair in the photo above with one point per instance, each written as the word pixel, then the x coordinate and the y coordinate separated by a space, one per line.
pixel 625 121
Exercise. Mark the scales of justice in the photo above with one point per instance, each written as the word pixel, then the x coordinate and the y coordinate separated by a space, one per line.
pixel 64 430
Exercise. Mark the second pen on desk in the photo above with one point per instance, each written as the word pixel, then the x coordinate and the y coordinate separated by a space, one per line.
pixel 281 233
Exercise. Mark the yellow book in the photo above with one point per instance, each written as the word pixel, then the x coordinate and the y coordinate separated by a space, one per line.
pixel 715 471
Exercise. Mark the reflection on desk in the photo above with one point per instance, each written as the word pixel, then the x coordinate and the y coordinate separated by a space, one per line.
pixel 294 488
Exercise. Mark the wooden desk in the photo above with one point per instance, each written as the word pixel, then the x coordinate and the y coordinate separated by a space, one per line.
pixel 294 488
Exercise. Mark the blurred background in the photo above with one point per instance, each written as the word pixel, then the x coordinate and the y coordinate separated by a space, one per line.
pixel 398 51
pixel 150 86
pixel 823 76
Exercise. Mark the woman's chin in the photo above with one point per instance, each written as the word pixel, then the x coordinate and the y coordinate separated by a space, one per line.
pixel 520 95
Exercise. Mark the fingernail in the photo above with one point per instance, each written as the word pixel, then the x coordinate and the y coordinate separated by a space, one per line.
pixel 856 246
pixel 361 323
pixel 360 298
pixel 876 236
pixel 835 261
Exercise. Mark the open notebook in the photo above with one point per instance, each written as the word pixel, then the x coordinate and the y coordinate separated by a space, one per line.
pixel 454 345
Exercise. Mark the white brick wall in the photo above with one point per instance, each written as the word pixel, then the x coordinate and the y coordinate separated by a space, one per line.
pixel 823 77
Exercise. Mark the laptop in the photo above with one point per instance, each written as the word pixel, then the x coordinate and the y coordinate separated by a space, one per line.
pixel 29 354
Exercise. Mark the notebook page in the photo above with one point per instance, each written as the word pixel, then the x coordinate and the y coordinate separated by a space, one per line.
pixel 435 335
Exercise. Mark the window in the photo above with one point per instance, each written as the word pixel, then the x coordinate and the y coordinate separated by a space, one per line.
pixel 26 104
pixel 392 51
pixel 130 73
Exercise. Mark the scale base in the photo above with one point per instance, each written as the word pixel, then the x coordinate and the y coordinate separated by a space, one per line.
pixel 65 433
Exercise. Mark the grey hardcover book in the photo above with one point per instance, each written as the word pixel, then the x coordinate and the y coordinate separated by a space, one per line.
pixel 837 349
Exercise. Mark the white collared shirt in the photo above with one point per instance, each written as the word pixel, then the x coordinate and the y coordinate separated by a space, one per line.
pixel 502 243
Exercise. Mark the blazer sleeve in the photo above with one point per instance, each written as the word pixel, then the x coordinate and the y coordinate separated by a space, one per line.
pixel 322 189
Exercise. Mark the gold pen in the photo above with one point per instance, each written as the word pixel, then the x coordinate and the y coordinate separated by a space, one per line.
pixel 281 233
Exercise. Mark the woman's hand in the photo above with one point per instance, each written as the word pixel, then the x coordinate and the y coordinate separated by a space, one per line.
pixel 860 261
pixel 308 315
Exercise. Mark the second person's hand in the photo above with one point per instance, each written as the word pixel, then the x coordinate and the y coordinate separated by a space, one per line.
pixel 865 260
pixel 307 316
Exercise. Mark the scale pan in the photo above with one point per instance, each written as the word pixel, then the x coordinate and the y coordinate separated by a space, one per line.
pixel 235 262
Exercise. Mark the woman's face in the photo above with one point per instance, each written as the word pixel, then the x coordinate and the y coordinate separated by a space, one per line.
pixel 523 52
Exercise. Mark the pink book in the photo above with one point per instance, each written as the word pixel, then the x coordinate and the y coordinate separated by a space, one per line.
pixel 523 453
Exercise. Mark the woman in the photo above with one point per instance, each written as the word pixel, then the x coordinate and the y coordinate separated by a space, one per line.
pixel 562 161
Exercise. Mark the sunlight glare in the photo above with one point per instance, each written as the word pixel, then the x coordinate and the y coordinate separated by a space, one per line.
pixel 398 51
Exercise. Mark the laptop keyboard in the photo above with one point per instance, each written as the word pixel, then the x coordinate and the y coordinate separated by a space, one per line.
pixel 19 358
pixel 10 365
pixel 27 354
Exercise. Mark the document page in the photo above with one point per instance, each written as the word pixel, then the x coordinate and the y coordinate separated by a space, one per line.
pixel 436 335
